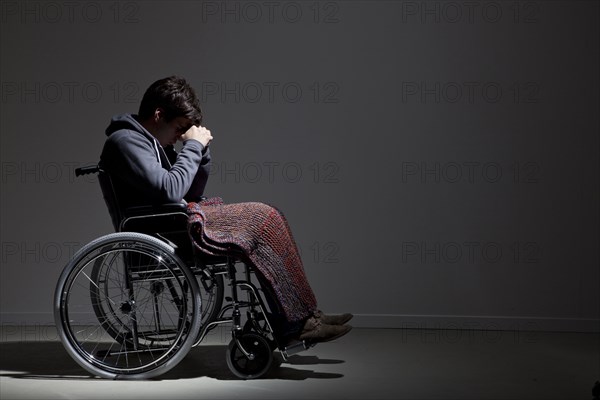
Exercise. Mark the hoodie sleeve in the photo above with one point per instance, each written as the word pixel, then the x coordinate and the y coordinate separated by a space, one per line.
pixel 201 178
pixel 135 160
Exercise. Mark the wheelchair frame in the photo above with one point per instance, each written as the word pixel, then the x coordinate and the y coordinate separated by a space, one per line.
pixel 128 306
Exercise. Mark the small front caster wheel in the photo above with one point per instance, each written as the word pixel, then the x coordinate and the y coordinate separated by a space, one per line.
pixel 259 361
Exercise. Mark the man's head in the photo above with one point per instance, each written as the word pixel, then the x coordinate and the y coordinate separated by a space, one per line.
pixel 169 108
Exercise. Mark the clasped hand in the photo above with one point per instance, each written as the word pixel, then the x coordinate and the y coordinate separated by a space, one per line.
pixel 198 133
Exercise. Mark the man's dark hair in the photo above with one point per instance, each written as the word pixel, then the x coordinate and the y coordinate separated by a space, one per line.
pixel 175 96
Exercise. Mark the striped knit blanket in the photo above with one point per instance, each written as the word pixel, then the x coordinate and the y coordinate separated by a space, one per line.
pixel 261 233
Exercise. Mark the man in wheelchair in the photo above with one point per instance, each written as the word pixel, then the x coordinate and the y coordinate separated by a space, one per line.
pixel 146 170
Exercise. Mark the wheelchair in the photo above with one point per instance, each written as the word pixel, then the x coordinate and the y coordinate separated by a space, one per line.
pixel 131 304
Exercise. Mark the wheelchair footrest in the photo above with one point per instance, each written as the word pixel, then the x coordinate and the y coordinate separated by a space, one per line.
pixel 296 348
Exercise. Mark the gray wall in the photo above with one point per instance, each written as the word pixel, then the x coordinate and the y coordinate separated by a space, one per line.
pixel 437 161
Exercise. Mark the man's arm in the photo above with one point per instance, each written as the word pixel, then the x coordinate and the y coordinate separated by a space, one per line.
pixel 201 178
pixel 133 157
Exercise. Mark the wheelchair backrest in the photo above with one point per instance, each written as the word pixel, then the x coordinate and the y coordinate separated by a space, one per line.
pixel 110 198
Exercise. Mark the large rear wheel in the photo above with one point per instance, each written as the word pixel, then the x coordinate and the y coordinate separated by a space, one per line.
pixel 126 307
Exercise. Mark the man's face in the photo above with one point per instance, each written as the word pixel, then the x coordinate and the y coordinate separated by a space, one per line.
pixel 167 133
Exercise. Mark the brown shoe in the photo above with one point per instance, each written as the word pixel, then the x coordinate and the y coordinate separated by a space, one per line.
pixel 333 319
pixel 315 331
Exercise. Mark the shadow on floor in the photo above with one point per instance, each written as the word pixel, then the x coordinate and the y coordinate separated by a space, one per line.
pixel 49 360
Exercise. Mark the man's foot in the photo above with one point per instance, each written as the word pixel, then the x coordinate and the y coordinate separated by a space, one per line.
pixel 333 319
pixel 316 331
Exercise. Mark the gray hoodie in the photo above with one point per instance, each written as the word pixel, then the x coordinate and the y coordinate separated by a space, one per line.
pixel 145 173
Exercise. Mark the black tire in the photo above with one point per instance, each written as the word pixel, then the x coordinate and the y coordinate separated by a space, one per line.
pixel 260 361
pixel 136 316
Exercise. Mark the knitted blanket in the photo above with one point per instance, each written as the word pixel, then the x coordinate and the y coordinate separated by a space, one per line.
pixel 261 234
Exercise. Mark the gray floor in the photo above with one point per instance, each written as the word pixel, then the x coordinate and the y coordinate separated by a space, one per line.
pixel 365 364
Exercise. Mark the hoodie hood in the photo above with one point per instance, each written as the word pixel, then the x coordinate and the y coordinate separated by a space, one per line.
pixel 127 122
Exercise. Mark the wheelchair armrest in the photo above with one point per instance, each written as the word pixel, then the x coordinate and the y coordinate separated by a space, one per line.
pixel 154 210
pixel 155 218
